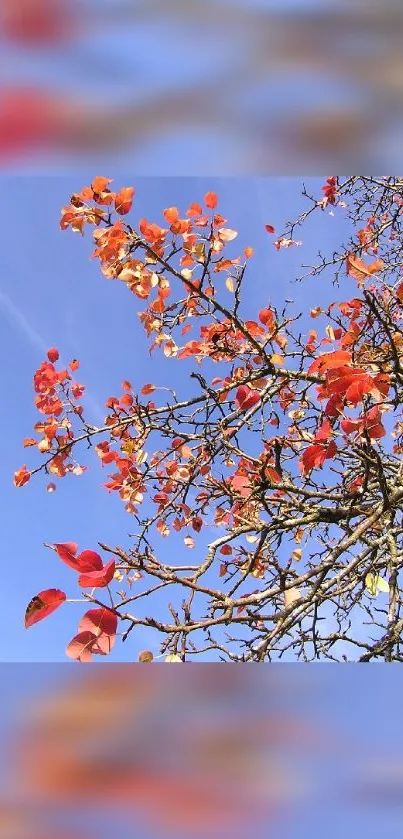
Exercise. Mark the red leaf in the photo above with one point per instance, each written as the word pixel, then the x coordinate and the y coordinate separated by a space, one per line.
pixel 43 604
pixel 247 398
pixel 269 228
pixel 104 644
pixel 266 317
pixel 53 354
pixel 89 561
pixel 359 387
pixel 324 432
pixel 210 200
pixel 66 552
pixel 81 646
pixel 350 426
pixel 99 621
pixel 124 200
pixel 314 456
pixel 98 579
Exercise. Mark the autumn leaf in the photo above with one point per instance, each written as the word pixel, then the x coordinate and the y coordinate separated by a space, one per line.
pixel 66 551
pixel 357 268
pixel 171 215
pixel 269 228
pixel 81 647
pixel 99 578
pixel 99 184
pixel 147 389
pixel 99 621
pixel 43 604
pixel 247 398
pixel 210 200
pixel 89 561
pixel 124 200
pixel 291 596
pixel 22 476
pixel 328 361
pixel 53 354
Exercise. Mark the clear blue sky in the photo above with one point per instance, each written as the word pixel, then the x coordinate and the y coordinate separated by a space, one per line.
pixel 52 294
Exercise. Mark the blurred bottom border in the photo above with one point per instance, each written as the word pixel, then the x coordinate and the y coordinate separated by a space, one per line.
pixel 216 750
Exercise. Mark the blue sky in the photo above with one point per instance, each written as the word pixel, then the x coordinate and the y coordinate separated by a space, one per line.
pixel 53 294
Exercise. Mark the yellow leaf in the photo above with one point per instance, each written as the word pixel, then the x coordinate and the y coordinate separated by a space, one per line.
pixel 229 282
pixel 226 234
pixel 296 555
pixel 291 595
pixel 276 358
pixel 370 584
pixel 173 659
pixel 382 584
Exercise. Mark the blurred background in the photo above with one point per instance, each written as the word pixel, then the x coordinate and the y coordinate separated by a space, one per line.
pixel 208 86
pixel 211 751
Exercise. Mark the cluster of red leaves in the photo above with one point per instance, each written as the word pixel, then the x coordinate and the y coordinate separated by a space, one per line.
pixel 56 395
pixel 330 190
pixel 344 386
pixel 97 628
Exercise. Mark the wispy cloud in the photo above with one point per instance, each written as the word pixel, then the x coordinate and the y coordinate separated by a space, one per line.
pixel 18 320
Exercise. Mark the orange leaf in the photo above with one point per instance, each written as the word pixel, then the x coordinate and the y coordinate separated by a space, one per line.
pixel 330 360
pixel 171 215
pixel 147 389
pixel 53 354
pixel 99 183
pixel 194 210
pixel 21 477
pixel 210 200
pixel 358 269
pixel 124 200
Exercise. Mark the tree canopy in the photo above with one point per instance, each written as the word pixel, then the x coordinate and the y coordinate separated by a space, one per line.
pixel 279 469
